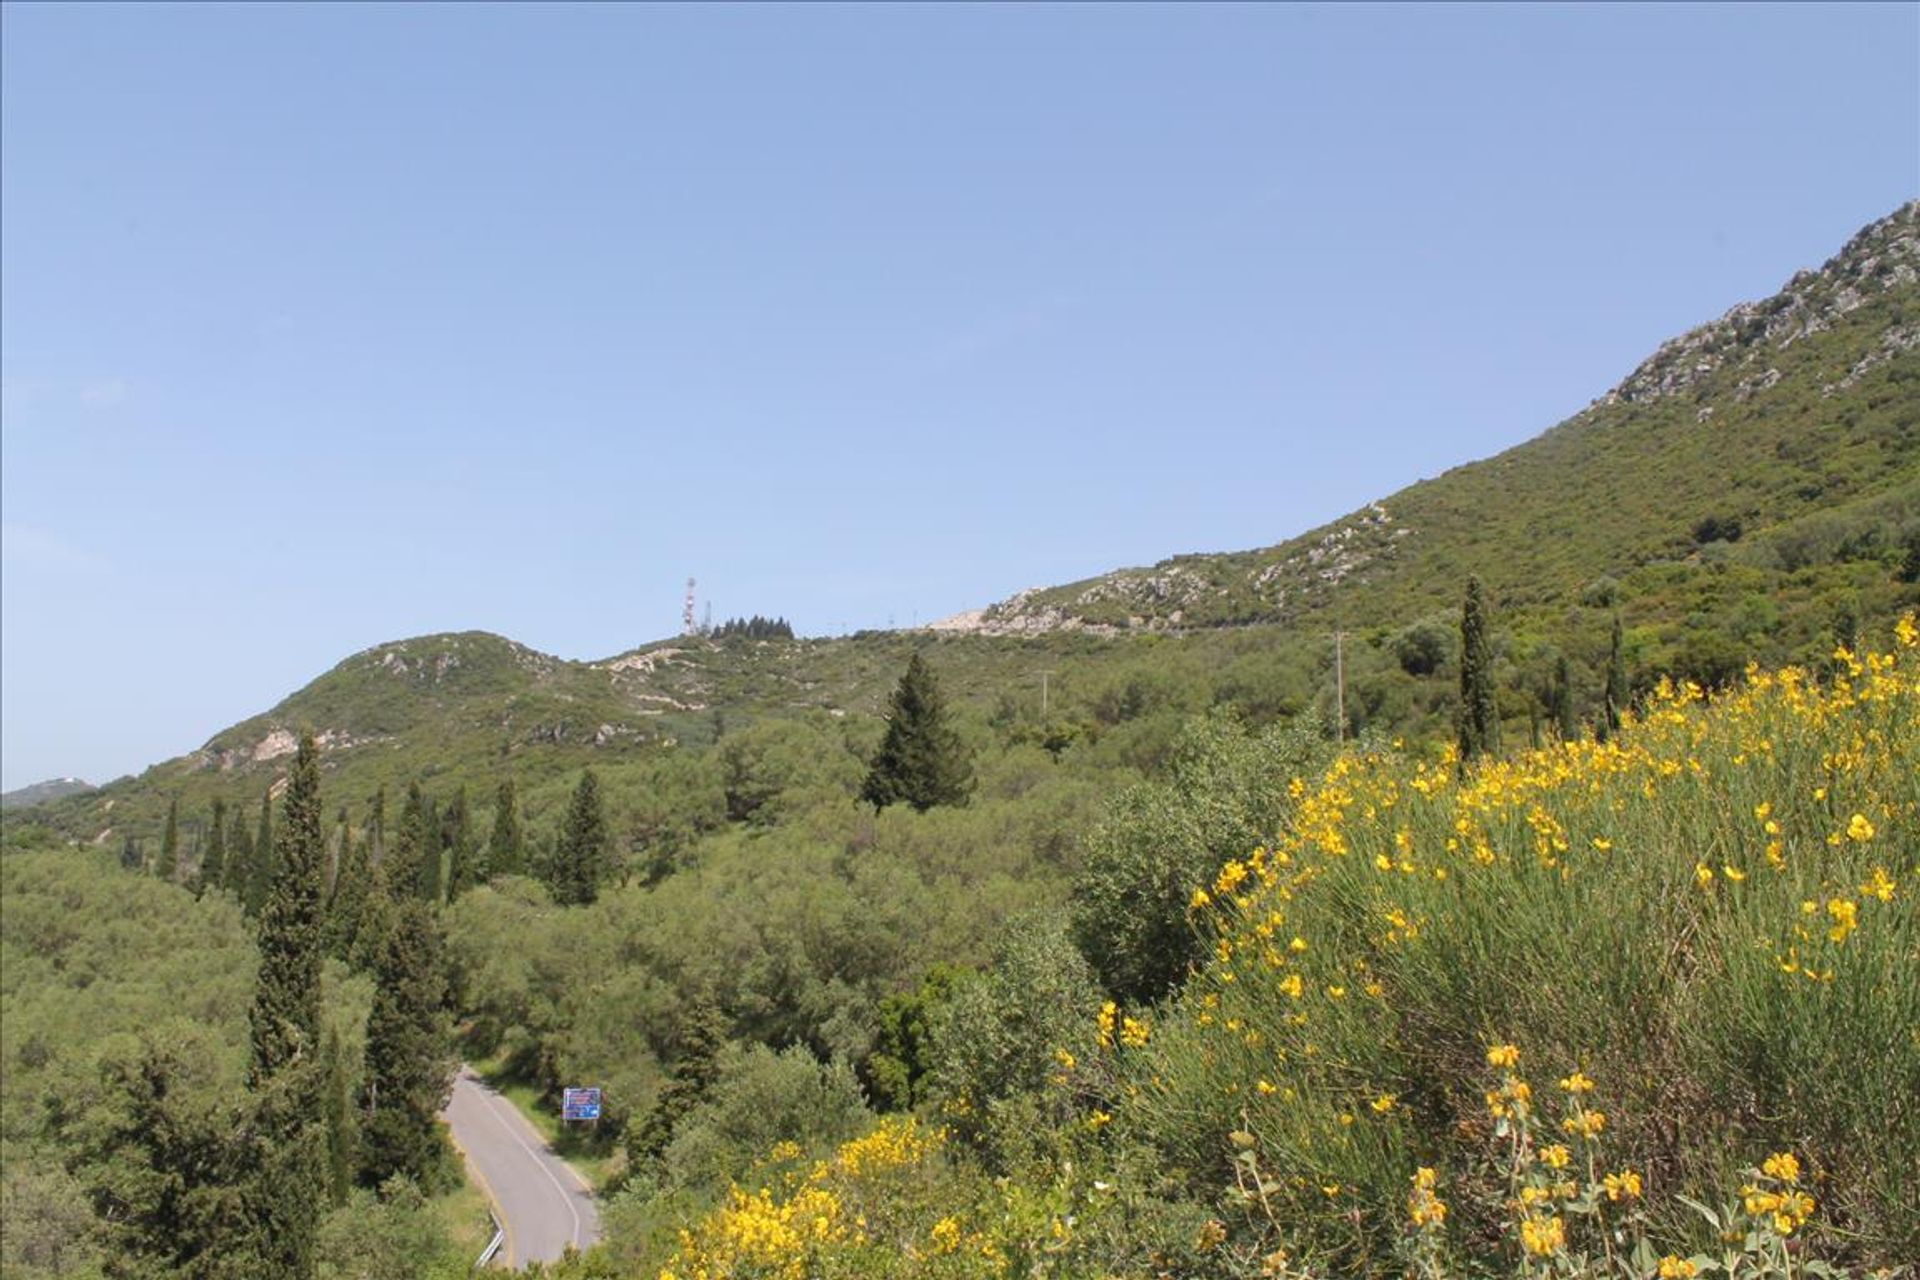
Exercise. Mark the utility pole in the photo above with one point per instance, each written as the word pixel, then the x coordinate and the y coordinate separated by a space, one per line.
pixel 1043 694
pixel 1340 687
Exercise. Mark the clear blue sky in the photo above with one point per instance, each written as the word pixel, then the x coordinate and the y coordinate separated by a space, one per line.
pixel 326 326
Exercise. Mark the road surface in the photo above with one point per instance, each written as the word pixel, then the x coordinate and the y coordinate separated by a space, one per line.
pixel 542 1204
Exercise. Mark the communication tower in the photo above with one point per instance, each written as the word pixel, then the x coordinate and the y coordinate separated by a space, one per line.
pixel 686 614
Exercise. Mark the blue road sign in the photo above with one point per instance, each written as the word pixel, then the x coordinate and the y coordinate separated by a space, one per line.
pixel 580 1104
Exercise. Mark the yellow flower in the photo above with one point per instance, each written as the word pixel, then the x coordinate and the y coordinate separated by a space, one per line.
pixel 1783 1165
pixel 1625 1184
pixel 1065 1059
pixel 1099 1120
pixel 1383 1103
pixel 1859 829
pixel 1503 1055
pixel 1734 874
pixel 1846 918
pixel 1672 1268
pixel 1543 1237
pixel 1108 1013
pixel 1585 1124
pixel 1577 1083
pixel 1556 1155
pixel 1881 886
pixel 1906 632
pixel 1134 1033
pixel 1703 875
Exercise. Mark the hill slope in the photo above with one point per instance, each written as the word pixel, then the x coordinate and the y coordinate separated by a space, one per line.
pixel 1792 424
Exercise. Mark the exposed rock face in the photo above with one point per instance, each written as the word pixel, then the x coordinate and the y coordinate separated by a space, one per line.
pixel 1883 257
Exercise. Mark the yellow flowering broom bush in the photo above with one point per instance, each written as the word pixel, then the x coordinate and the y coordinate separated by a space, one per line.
pixel 1712 913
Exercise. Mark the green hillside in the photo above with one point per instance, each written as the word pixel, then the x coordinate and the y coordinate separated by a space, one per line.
pixel 1787 431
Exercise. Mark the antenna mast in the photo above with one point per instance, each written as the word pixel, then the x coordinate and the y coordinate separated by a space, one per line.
pixel 686 614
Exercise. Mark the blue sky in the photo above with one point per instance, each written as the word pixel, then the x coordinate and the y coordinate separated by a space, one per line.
pixel 325 326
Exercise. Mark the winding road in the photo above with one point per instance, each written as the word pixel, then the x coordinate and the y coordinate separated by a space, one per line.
pixel 542 1204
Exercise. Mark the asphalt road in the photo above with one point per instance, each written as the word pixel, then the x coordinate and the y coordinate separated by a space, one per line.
pixel 541 1202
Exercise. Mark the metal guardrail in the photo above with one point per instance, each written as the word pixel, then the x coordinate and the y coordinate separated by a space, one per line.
pixel 493 1245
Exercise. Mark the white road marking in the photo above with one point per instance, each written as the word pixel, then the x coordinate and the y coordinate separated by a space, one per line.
pixel 513 1132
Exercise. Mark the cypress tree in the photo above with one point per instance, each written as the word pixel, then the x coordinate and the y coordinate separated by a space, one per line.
pixel 213 863
pixel 1563 701
pixel 168 868
pixel 580 858
pixel 1479 727
pixel 409 1053
pixel 339 1120
pixel 408 874
pixel 433 885
pixel 463 854
pixel 921 759
pixel 284 1068
pixel 347 910
pixel 377 827
pixel 239 874
pixel 696 1067
pixel 260 875
pixel 1614 698
pixel 506 852
pixel 131 855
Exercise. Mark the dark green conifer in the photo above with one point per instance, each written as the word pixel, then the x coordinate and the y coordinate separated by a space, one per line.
pixel 433 883
pixel 1479 727
pixel 408 875
pixel 582 855
pixel 1563 718
pixel 1613 702
pixel 409 1053
pixel 168 868
pixel 339 1121
pixel 260 875
pixel 284 1071
pixel 921 760
pixel 346 912
pixel 213 862
pixel 238 879
pixel 696 1067
pixel 463 853
pixel 506 852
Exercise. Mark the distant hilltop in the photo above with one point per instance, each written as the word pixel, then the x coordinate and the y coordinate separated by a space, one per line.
pixel 42 792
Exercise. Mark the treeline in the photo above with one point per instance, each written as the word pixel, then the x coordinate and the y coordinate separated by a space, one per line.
pixel 754 628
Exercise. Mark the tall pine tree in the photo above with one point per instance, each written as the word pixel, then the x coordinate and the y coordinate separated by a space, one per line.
pixel 285 1072
pixel 1479 727
pixel 168 868
pixel 582 855
pixel 921 760
pixel 506 851
pixel 409 1053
